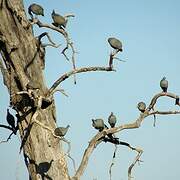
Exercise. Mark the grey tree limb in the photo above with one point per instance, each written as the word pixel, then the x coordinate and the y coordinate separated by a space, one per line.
pixel 136 124
pixel 76 71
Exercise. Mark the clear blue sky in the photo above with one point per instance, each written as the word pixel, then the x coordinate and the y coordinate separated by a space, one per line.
pixel 150 32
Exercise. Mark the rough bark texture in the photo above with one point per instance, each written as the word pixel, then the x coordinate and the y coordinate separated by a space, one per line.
pixel 23 63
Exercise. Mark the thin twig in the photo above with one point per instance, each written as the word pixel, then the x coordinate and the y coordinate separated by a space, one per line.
pixel 6 127
pixel 70 44
pixel 53 44
pixel 73 161
pixel 68 152
pixel 61 91
pixel 73 60
pixel 69 15
pixel 9 137
pixel 63 52
pixel 137 159
pixel 112 163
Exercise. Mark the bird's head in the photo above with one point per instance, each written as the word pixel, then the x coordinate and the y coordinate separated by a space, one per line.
pixel 53 12
pixel 164 78
pixel 93 122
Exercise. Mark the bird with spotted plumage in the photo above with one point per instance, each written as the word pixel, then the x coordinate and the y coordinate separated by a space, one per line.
pixel 36 9
pixel 98 124
pixel 164 84
pixel 115 44
pixel 58 20
pixel 61 131
pixel 141 106
pixel 112 120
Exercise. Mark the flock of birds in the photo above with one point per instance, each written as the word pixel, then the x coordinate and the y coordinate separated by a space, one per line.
pixel 99 123
pixel 96 123
pixel 60 21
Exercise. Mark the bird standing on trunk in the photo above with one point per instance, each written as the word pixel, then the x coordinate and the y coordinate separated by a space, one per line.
pixel 61 131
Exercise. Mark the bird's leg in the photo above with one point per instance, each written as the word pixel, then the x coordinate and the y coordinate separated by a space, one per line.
pixel 111 61
pixel 154 123
pixel 177 101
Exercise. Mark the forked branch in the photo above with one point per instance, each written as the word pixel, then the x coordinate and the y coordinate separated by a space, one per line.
pixel 136 124
pixel 69 43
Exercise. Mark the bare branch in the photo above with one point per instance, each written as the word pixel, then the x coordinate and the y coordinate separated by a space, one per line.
pixel 164 112
pixel 6 127
pixel 135 124
pixel 53 44
pixel 9 137
pixel 73 59
pixel 69 15
pixel 70 44
pixel 112 163
pixel 137 159
pixel 62 31
pixel 155 98
pixel 61 91
pixel 63 52
pixel 80 70
pixel 65 34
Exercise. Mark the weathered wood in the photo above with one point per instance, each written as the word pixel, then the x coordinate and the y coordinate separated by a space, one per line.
pixel 23 63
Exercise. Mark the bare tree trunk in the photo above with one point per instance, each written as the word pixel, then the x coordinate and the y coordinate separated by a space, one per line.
pixel 23 63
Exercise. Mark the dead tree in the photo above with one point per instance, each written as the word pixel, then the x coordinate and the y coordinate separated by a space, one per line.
pixel 22 63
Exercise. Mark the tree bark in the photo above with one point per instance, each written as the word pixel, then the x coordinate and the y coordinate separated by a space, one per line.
pixel 23 63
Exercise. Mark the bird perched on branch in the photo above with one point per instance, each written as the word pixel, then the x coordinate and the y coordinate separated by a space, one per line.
pixel 59 21
pixel 61 131
pixel 35 9
pixel 115 43
pixel 112 120
pixel 98 124
pixel 10 119
pixel 164 84
pixel 141 106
